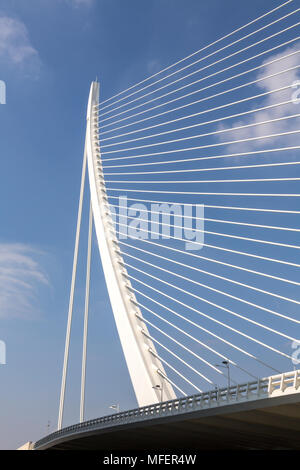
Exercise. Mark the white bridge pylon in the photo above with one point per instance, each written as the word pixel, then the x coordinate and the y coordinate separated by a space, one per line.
pixel 230 297
pixel 145 369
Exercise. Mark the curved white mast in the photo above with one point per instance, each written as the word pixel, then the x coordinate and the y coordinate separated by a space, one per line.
pixel 146 371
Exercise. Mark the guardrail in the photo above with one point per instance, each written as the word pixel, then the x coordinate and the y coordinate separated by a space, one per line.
pixel 276 385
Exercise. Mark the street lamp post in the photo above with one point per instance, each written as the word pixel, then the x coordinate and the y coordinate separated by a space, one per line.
pixel 115 407
pixel 159 387
pixel 225 364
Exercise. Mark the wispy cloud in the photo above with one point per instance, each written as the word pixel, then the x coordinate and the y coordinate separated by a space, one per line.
pixel 15 46
pixel 267 85
pixel 153 66
pixel 20 277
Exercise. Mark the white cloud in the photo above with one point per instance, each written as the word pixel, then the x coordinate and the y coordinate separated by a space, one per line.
pixel 267 85
pixel 15 46
pixel 20 277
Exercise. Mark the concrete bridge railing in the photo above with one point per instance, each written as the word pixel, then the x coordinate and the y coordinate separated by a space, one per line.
pixel 273 386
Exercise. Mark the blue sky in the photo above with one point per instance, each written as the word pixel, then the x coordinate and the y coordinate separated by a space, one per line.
pixel 50 50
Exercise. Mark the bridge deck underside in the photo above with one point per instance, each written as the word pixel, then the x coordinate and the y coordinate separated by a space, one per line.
pixel 275 427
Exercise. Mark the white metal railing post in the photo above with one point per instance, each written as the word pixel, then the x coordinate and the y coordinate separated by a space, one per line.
pixel 282 383
pixel 270 386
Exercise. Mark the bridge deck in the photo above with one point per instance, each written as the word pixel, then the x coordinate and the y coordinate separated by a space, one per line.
pixel 257 415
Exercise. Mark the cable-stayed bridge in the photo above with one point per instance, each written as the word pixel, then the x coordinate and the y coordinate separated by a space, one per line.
pixel 194 187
